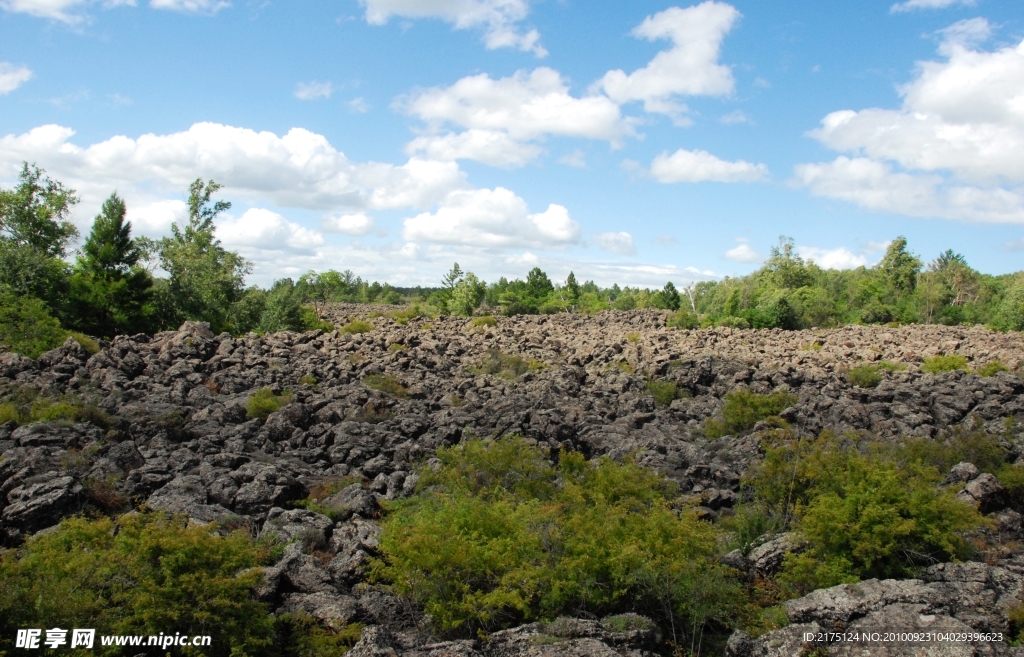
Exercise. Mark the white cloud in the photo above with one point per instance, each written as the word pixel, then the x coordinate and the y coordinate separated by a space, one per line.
pixel 494 218
pixel 526 106
pixel 313 90
pixel 910 5
pixel 12 77
pixel 300 169
pixel 689 67
pixel 699 166
pixel 154 218
pixel 957 138
pixel 621 243
pixel 359 105
pixel 498 17
pixel 577 159
pixel 492 147
pixel 840 258
pixel 734 118
pixel 1017 245
pixel 191 6
pixel 266 230
pixel 355 225
pixel 57 9
pixel 743 253
pixel 874 185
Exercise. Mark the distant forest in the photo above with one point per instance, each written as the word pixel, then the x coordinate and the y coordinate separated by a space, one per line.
pixel 109 288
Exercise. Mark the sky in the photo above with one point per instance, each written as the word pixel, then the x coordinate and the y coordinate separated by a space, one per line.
pixel 629 142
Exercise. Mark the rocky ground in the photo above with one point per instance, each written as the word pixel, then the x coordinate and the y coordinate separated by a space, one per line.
pixel 176 437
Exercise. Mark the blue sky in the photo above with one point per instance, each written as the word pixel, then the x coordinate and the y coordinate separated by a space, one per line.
pixel 629 142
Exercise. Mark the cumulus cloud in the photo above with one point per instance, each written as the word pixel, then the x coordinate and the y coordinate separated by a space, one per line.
pixel 12 77
pixel 956 140
pixel 355 225
pixel 1017 245
pixel 313 90
pixel 689 67
pixel 191 6
pixel 621 243
pixel 57 9
pixel 700 166
pixel 492 147
pixel 911 5
pixel 840 258
pixel 874 185
pixel 300 169
pixel 494 218
pixel 266 230
pixel 743 253
pixel 577 159
pixel 499 18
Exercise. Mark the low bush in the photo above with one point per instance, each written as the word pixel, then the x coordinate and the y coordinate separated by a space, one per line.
pixel 405 315
pixel 309 380
pixel 865 376
pixel 309 321
pixel 264 402
pixel 357 326
pixel 141 574
pixel 485 321
pixel 26 326
pixel 387 384
pixel 664 392
pixel 743 409
pixel 683 319
pixel 505 366
pixel 991 368
pixel 937 364
pixel 499 535
pixel 633 337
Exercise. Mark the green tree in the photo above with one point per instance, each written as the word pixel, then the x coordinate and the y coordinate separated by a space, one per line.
pixel 110 292
pixel 468 295
pixel 35 213
pixel 900 266
pixel 572 288
pixel 539 284
pixel 26 326
pixel 323 288
pixel 669 297
pixel 205 279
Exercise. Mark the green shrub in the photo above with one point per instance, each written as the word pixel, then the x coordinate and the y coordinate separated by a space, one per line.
pixel 301 635
pixel 152 575
pixel 395 347
pixel 86 342
pixel 743 409
pixel 683 319
pixel 308 320
pixel 633 337
pixel 992 368
pixel 499 535
pixel 264 402
pixel 505 366
pixel 26 326
pixel 865 376
pixel 387 384
pixel 733 322
pixel 664 392
pixel 357 326
pixel 875 518
pixel 485 321
pixel 9 413
pixel 309 380
pixel 937 364
pixel 984 450
pixel 406 314
pixel 889 366
pixel 69 409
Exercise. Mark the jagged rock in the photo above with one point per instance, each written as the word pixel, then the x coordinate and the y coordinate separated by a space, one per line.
pixel 963 472
pixel 35 506
pixel 767 558
pixel 353 500
pixel 187 495
pixel 310 530
pixel 334 611
pixel 985 492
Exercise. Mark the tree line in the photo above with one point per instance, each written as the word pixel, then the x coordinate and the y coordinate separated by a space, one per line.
pixel 110 288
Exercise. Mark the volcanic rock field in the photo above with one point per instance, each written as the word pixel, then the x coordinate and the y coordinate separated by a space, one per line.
pixel 175 436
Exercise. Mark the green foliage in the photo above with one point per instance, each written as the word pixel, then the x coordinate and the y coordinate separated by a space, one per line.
pixel 633 337
pixel 309 380
pixel 467 295
pixel 386 383
pixel 992 368
pixel 142 574
pixel 950 363
pixel 743 409
pixel 26 326
pixel 205 279
pixel 504 365
pixel 300 635
pixel 866 508
pixel 664 392
pixel 499 535
pixel 110 292
pixel 357 326
pixel 865 376
pixel 35 213
pixel 683 319
pixel 899 266
pixel 263 402
pixel 485 321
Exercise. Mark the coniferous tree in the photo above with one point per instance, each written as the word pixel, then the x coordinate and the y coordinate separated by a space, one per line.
pixel 110 291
